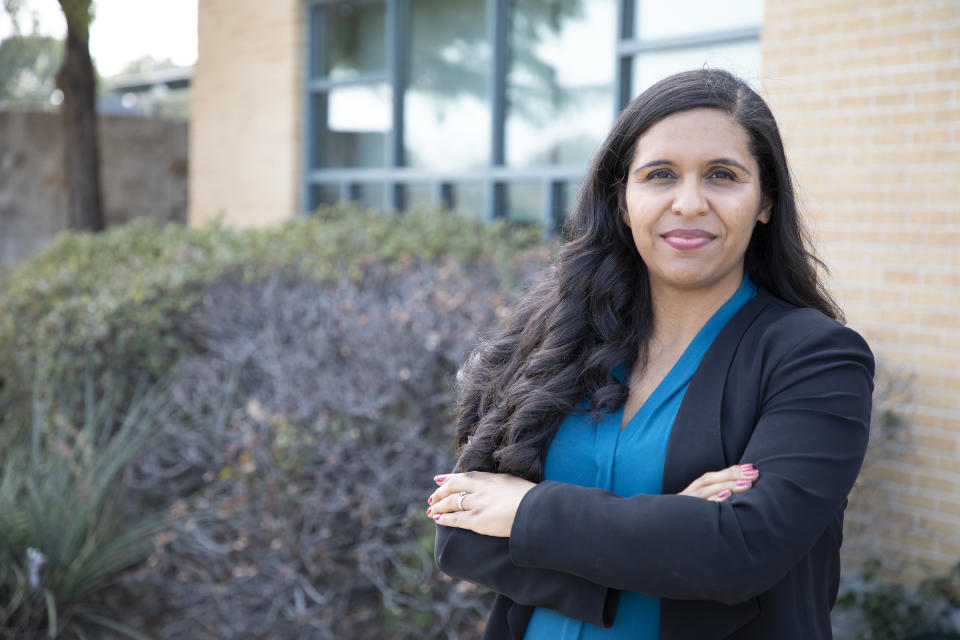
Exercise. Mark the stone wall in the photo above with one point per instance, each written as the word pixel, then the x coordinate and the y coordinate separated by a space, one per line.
pixel 867 93
pixel 143 175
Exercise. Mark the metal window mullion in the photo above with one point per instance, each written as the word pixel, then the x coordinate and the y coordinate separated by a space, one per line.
pixel 624 63
pixel 634 46
pixel 498 24
pixel 325 84
pixel 308 154
pixel 398 21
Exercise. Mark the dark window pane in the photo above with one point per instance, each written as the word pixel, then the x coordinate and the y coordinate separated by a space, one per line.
pixel 525 202
pixel 351 125
pixel 420 196
pixel 371 195
pixel 470 200
pixel 560 84
pixel 323 194
pixel 447 103
pixel 349 38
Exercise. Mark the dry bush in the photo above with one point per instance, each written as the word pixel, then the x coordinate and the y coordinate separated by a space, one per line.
pixel 310 423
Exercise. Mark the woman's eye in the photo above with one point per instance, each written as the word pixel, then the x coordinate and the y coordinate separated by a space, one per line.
pixel 658 174
pixel 723 174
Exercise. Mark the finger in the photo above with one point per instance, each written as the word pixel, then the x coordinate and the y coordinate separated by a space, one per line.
pixel 712 482
pixel 450 483
pixel 456 519
pixel 450 504
pixel 457 482
pixel 720 497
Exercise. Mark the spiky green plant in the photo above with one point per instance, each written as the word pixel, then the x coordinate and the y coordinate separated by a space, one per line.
pixel 63 535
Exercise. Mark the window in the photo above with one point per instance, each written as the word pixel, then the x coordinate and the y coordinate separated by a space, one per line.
pixel 493 107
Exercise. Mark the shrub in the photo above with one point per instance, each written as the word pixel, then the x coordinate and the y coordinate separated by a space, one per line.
pixel 63 536
pixel 885 609
pixel 119 298
pixel 311 421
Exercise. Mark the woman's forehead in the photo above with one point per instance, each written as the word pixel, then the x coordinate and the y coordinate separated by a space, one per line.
pixel 704 131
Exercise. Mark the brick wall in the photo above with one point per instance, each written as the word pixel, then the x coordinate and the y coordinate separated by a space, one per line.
pixel 867 93
pixel 246 107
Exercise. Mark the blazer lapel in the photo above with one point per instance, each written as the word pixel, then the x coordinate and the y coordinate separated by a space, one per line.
pixel 695 445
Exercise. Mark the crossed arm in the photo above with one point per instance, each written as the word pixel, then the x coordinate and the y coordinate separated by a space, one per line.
pixel 570 548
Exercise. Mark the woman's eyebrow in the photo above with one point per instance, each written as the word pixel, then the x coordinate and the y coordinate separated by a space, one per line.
pixel 731 162
pixel 652 163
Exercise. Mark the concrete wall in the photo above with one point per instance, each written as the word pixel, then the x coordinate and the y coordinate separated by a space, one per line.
pixel 868 96
pixel 247 95
pixel 143 174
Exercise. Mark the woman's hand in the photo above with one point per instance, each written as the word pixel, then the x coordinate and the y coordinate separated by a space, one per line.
pixel 488 504
pixel 720 485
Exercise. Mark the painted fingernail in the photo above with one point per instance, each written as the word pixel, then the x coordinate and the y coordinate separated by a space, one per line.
pixel 743 483
pixel 747 465
pixel 750 473
pixel 430 512
pixel 436 517
pixel 439 479
pixel 430 500
pixel 724 493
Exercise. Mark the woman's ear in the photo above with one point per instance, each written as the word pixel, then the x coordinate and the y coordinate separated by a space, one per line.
pixel 766 205
pixel 622 205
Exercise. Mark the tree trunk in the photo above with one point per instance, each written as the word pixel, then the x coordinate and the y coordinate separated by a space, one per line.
pixel 78 112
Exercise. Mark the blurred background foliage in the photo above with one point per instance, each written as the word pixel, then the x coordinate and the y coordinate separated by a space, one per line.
pixel 305 377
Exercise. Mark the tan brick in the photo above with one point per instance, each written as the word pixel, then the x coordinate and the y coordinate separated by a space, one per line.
pixel 937 14
pixel 937 526
pixel 950 547
pixel 941 320
pixel 948 74
pixel 938 443
pixel 921 339
pixel 918 500
pixel 918 36
pixel 921 540
pixel 951 465
pixel 946 115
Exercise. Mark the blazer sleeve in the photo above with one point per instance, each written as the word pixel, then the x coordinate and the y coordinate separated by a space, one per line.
pixel 808 443
pixel 485 560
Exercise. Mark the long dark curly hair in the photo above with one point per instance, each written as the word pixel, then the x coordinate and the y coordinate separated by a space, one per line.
pixel 592 309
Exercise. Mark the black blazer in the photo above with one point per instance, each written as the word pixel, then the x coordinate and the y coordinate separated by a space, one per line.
pixel 787 389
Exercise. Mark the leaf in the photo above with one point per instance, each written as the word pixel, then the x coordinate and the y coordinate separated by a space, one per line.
pixel 51 613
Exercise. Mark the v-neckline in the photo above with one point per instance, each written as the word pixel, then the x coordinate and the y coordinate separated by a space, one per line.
pixel 659 389
pixel 744 292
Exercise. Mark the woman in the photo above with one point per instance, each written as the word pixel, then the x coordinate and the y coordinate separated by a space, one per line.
pixel 683 329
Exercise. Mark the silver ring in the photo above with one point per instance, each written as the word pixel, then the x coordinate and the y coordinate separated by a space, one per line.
pixel 460 497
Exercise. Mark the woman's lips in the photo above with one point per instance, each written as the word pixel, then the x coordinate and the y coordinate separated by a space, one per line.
pixel 686 239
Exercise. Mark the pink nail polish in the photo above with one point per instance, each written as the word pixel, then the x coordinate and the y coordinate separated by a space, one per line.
pixel 747 465
pixel 439 479
pixel 743 483
pixel 430 500
pixel 436 517
pixel 724 493
pixel 750 473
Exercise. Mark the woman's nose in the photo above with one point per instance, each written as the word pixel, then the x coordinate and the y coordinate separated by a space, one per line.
pixel 689 199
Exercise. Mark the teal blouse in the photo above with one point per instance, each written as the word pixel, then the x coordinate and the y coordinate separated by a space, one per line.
pixel 627 462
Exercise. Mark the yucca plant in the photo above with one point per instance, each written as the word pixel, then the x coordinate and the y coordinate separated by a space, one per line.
pixel 63 533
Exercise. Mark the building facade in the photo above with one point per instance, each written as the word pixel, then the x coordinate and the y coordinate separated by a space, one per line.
pixel 494 108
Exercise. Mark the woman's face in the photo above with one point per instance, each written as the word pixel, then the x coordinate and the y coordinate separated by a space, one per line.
pixel 693 198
